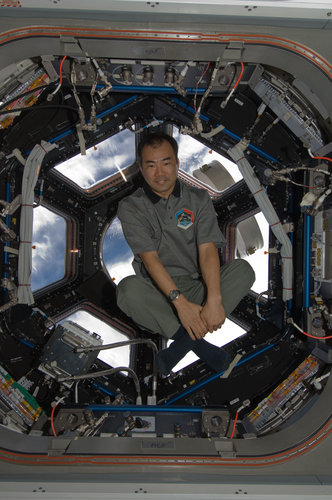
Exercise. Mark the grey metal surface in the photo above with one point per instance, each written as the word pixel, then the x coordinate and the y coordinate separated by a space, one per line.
pixel 161 491
pixel 319 40
pixel 185 10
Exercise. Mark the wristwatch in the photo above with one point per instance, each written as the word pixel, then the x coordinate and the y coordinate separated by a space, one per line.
pixel 174 295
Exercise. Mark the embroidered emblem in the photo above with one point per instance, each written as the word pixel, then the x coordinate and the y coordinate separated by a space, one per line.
pixel 184 218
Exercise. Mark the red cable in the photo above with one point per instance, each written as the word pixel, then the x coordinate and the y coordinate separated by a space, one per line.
pixel 322 158
pixel 52 422
pixel 199 81
pixel 234 425
pixel 314 336
pixel 240 76
pixel 60 71
pixel 292 322
pixel 207 67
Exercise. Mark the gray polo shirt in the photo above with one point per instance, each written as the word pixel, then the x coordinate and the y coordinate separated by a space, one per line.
pixel 174 227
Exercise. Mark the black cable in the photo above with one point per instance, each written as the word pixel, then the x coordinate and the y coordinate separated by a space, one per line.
pixel 58 102
pixel 48 106
pixel 9 167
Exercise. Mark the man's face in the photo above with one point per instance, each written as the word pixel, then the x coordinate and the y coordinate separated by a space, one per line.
pixel 159 168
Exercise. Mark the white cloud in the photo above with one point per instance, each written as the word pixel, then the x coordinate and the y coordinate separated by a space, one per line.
pixel 115 229
pixel 117 253
pixel 48 242
pixel 42 217
pixel 41 252
pixel 80 170
pixel 120 269
pixel 101 161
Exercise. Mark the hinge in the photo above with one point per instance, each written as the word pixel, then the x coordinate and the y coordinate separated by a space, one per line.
pixel 70 46
pixel 233 51
pixel 225 448
pixel 58 447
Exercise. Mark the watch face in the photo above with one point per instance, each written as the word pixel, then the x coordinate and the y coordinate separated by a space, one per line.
pixel 174 294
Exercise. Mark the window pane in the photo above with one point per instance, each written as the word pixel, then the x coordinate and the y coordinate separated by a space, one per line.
pixel 113 357
pixel 107 158
pixel 193 155
pixel 117 253
pixel 260 259
pixel 49 245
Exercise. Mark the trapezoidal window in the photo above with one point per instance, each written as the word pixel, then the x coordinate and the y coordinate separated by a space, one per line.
pixel 119 356
pixel 202 163
pixel 105 159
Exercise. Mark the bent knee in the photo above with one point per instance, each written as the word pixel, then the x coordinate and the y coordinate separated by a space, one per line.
pixel 127 287
pixel 247 272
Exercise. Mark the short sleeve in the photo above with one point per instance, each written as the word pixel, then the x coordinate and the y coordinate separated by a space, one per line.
pixel 136 228
pixel 207 224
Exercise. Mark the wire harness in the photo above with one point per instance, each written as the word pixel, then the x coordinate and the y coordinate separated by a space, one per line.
pixel 237 153
pixel 30 176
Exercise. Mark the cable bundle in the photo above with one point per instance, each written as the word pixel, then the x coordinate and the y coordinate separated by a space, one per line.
pixel 30 176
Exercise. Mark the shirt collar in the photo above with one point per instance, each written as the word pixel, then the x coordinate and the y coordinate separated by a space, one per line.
pixel 155 197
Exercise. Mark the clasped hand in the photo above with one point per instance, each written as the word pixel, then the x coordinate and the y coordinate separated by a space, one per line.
pixel 199 320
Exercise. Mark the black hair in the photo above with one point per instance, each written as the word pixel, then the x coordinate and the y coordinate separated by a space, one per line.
pixel 156 139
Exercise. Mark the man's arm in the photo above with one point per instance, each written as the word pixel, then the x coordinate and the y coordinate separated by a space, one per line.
pixel 213 313
pixel 189 313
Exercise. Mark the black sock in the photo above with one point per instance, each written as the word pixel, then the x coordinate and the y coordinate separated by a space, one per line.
pixel 214 356
pixel 167 358
pixel 217 359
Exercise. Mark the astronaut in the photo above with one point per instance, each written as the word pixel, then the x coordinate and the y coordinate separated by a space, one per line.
pixel 179 290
